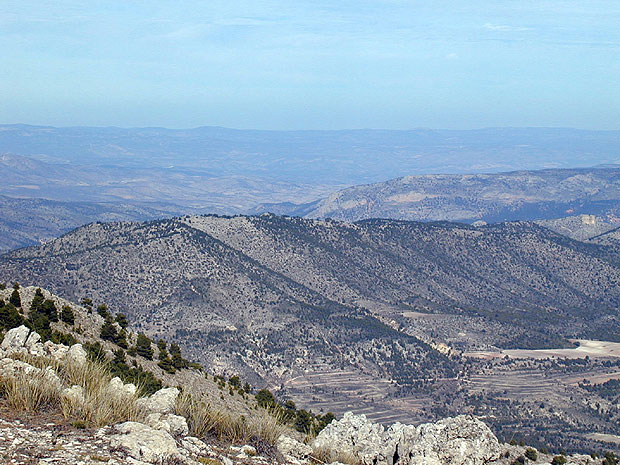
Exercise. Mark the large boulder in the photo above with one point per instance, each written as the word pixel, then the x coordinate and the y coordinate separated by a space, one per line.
pixel 163 401
pixel 143 442
pixel 462 440
pixel 15 338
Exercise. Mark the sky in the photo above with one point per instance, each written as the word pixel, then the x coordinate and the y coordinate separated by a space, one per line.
pixel 301 64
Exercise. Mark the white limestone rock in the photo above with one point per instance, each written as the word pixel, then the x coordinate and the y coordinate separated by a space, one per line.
pixel 76 354
pixel 461 440
pixel 37 349
pixel 163 401
pixel 33 339
pixel 292 449
pixel 11 367
pixel 56 351
pixel 143 442
pixel 354 435
pixel 117 388
pixel 174 424
pixel 52 378
pixel 15 339
pixel 195 445
pixel 248 451
pixel 74 394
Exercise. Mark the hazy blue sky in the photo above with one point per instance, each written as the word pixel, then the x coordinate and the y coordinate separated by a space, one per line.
pixel 311 64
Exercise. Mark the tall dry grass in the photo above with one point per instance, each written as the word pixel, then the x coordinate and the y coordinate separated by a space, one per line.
pixel 325 456
pixel 98 406
pixel 30 392
pixel 206 420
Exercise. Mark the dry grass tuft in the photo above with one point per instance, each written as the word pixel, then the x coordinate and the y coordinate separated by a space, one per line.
pixel 268 424
pixel 99 405
pixel 30 392
pixel 324 456
pixel 205 420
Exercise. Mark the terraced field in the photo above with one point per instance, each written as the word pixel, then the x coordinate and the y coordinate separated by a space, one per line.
pixel 344 390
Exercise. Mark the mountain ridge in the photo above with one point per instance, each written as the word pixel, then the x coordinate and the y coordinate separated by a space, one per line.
pixel 490 197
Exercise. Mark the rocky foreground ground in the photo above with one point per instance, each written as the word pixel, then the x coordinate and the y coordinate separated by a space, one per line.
pixel 159 435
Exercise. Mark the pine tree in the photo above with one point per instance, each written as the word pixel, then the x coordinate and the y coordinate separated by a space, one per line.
pixel 9 316
pixel 108 332
pixel 49 309
pixel 143 347
pixel 67 315
pixel 15 298
pixel 166 365
pixel 121 319
pixel 121 341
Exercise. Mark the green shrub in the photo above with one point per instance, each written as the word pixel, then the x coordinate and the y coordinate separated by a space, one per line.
pixel 121 319
pixel 531 454
pixel 303 421
pixel 558 460
pixel 67 315
pixel 265 398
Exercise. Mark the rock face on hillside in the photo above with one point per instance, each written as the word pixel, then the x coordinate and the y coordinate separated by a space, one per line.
pixel 462 440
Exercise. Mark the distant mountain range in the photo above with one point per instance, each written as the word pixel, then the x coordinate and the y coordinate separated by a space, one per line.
pixel 229 171
pixel 518 195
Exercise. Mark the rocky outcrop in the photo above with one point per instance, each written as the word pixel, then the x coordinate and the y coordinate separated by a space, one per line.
pixel 22 340
pixel 357 436
pixel 462 440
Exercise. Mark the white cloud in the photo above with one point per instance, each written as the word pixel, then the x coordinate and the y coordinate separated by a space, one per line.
pixel 505 28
